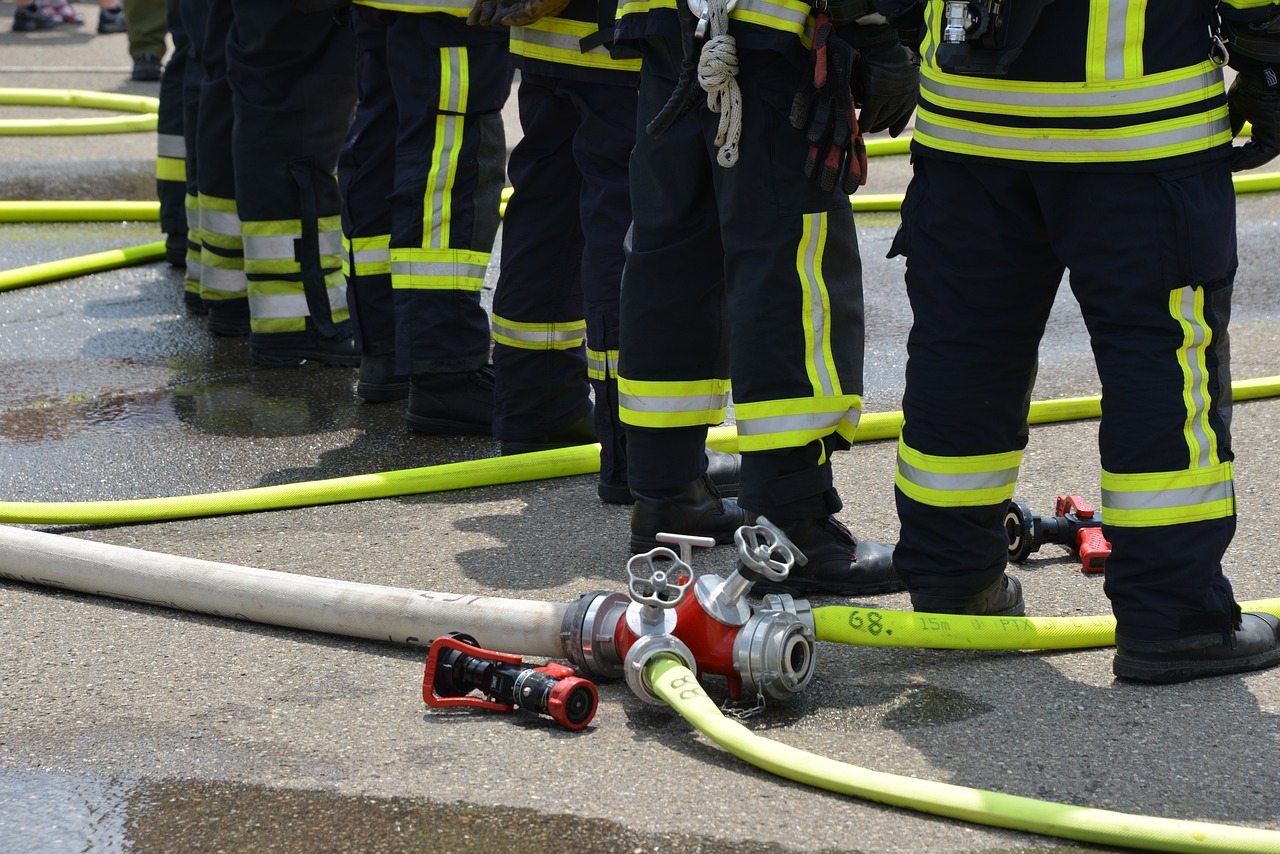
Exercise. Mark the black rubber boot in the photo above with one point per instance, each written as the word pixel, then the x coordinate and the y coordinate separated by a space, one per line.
pixel 451 403
pixel 722 468
pixel 335 352
pixel 839 564
pixel 1254 645
pixel 695 509
pixel 228 318
pixel 379 382
pixel 580 432
pixel 1001 599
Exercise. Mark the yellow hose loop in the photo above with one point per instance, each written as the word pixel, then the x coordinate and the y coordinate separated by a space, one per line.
pixel 148 107
pixel 675 684
pixel 76 211
pixel 564 462
pixel 82 265
pixel 920 630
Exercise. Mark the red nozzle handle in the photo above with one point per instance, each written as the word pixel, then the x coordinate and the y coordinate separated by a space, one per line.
pixel 1094 549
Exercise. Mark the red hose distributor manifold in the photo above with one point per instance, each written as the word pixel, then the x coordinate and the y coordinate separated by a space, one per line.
pixel 764 652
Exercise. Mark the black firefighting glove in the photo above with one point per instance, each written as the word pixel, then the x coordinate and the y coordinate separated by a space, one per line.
pixel 1255 93
pixel 823 109
pixel 513 13
pixel 907 21
pixel 885 80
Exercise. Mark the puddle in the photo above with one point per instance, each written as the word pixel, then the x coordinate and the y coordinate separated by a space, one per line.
pixel 47 812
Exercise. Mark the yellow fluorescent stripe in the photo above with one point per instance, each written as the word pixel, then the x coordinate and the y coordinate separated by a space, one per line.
pixel 1095 64
pixel 1202 444
pixel 953 498
pixel 1135 34
pixel 792 438
pixel 1076 99
pixel 673 388
pixel 979 464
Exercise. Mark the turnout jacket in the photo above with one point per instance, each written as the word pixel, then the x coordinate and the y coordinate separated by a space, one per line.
pixel 1121 83
pixel 576 44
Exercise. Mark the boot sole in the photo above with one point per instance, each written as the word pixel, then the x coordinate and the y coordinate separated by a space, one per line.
pixel 382 392
pixel 1168 671
pixel 292 360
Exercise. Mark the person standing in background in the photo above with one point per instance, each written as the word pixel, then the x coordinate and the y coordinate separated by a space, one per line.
pixel 147 25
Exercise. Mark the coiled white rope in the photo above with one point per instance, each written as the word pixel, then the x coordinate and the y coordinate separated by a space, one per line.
pixel 717 75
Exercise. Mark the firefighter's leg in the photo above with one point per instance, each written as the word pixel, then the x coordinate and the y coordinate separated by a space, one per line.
pixel 541 396
pixel 450 83
pixel 366 176
pixel 292 78
pixel 1157 301
pixel 794 288
pixel 602 149
pixel 673 345
pixel 981 277
pixel 171 152
pixel 194 16
pixel 223 286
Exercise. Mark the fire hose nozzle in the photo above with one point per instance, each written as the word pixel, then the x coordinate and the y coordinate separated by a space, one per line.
pixel 456 666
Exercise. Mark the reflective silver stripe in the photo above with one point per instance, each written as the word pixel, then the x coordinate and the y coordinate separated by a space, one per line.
pixel 1117 13
pixel 546 335
pixel 560 42
pixel 698 403
pixel 601 364
pixel 1196 385
pixel 1070 98
pixel 225 223
pixel 171 145
pixel 288 306
pixel 806 422
pixel 798 18
pixel 816 288
pixel 450 128
pixel 378 255
pixel 1164 499
pixel 1080 141
pixel 222 279
pixel 438 269
pixel 281 247
pixel 957 483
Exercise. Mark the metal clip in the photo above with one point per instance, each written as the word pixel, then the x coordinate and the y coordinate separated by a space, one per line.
pixel 701 10
pixel 1218 53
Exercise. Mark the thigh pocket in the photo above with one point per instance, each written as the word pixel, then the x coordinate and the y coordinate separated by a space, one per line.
pixel 1198 238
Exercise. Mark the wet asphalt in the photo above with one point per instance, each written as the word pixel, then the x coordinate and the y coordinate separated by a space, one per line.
pixel 128 727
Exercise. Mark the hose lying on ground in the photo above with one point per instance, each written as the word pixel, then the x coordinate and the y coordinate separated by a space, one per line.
pixel 675 684
pixel 563 462
pixel 535 628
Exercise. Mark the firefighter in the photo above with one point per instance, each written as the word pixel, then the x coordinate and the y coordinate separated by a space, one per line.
pixel 275 101
pixel 555 307
pixel 1093 138
pixel 743 266
pixel 421 175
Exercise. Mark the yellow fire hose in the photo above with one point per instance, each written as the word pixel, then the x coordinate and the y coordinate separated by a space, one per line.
pixel 147 107
pixel 675 684
pixel 564 462
pixel 920 630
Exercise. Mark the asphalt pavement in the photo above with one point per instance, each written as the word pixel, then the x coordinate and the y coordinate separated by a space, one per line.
pixel 131 727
